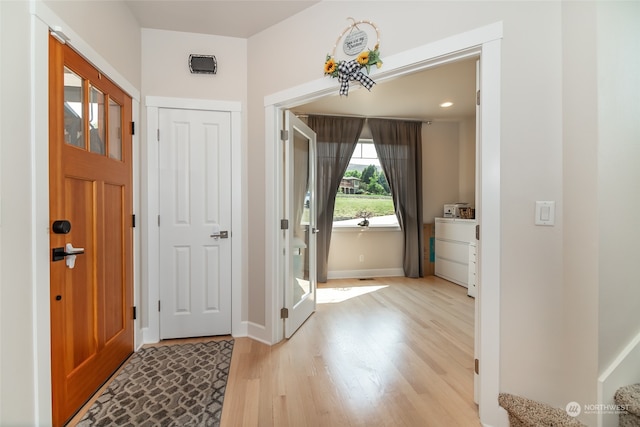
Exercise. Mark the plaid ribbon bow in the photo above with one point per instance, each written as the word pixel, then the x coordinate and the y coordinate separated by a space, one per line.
pixel 351 71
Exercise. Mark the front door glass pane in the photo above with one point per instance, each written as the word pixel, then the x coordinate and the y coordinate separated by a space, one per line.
pixel 73 111
pixel 96 121
pixel 115 130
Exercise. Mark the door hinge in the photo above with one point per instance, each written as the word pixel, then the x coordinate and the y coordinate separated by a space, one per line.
pixel 158 220
pixel 158 135
pixel 135 315
pixel 478 97
pixel 477 231
pixel 158 305
pixel 284 313
pixel 133 220
pixel 133 128
pixel 477 366
pixel 284 224
pixel 284 135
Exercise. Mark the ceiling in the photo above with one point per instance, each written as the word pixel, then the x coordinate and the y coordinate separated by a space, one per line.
pixel 416 96
pixel 238 18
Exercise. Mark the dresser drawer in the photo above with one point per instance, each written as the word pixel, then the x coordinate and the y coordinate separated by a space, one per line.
pixel 453 251
pixel 453 271
pixel 459 231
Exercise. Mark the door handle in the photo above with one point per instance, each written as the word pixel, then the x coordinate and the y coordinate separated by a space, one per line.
pixel 68 253
pixel 315 230
pixel 220 235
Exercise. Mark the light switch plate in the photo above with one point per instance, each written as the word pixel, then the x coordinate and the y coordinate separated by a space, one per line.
pixel 545 213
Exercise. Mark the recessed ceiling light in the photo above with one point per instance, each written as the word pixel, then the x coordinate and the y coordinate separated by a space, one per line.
pixel 446 104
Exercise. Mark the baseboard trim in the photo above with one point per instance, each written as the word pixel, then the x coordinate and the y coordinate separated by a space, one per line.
pixel 149 336
pixel 258 332
pixel 624 370
pixel 240 330
pixel 362 274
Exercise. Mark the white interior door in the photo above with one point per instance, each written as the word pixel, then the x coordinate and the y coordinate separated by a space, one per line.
pixel 300 285
pixel 195 223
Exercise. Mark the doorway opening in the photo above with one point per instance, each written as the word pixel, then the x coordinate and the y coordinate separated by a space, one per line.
pixel 485 43
pixel 448 163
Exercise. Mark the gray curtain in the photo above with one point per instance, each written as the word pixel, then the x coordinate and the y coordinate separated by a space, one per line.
pixel 399 147
pixel 336 138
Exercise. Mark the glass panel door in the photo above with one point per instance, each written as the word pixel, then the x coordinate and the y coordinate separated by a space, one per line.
pixel 301 209
pixel 300 288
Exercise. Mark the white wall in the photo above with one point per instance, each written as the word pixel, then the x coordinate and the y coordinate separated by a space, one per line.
pixel 17 327
pixel 531 140
pixel 467 163
pixel 165 66
pixel 165 73
pixel 25 394
pixel 440 167
pixel 109 28
pixel 618 129
pixel 347 245
pixel 601 133
pixel 580 236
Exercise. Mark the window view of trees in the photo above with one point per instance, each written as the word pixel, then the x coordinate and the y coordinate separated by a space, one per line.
pixel 364 192
pixel 372 181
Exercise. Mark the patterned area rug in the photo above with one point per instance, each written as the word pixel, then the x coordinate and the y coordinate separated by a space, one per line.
pixel 172 385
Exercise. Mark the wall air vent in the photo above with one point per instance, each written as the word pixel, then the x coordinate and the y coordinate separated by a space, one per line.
pixel 203 64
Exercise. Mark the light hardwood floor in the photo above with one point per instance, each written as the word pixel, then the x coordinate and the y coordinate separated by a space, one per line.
pixel 384 352
pixel 398 354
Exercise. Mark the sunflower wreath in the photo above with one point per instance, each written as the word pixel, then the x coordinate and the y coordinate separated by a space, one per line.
pixel 351 70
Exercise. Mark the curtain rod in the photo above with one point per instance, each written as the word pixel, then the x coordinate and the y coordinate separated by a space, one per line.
pixel 306 115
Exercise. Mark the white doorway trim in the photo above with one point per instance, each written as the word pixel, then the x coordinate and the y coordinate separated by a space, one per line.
pixel 150 205
pixel 486 43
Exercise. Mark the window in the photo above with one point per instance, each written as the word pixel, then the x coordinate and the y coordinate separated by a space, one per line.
pixel 364 196
pixel 89 110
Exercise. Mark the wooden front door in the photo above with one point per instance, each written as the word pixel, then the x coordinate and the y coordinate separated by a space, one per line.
pixel 90 171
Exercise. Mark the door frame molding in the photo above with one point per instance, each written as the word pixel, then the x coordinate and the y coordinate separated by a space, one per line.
pixel 484 42
pixel 150 250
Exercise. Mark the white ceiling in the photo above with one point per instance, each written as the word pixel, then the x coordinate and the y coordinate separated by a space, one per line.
pixel 416 96
pixel 240 18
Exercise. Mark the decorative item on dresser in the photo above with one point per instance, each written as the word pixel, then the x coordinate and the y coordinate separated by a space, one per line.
pixel 455 251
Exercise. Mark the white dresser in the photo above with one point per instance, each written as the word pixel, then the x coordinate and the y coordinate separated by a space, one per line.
pixel 455 240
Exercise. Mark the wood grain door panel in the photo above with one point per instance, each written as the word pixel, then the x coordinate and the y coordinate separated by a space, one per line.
pixel 91 303
pixel 114 245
